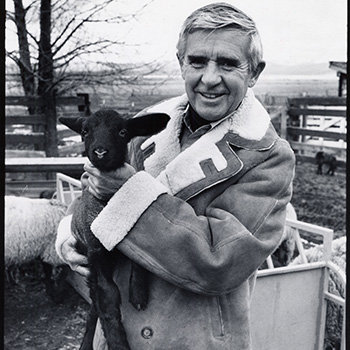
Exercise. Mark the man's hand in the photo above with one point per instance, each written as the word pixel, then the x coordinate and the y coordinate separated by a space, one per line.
pixel 66 247
pixel 76 261
pixel 103 184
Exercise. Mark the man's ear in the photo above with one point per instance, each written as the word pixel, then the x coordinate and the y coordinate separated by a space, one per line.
pixel 255 75
pixel 74 123
pixel 146 125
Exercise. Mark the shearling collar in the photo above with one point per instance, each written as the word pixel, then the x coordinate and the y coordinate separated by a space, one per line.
pixel 246 126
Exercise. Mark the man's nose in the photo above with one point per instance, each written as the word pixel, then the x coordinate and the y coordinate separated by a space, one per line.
pixel 211 74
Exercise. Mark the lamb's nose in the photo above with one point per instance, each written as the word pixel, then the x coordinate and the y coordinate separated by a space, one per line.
pixel 100 152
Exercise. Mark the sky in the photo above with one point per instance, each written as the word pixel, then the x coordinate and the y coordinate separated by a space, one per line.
pixel 292 31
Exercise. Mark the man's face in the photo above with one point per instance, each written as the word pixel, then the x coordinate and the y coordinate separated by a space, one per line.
pixel 216 71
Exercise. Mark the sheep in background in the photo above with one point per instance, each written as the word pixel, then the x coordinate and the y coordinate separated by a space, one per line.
pixel 30 233
pixel 106 135
pixel 335 313
pixel 49 194
pixel 326 158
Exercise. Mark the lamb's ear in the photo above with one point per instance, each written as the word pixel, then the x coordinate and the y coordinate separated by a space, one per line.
pixel 74 123
pixel 148 124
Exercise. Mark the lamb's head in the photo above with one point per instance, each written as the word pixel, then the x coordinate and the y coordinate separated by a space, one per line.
pixel 106 134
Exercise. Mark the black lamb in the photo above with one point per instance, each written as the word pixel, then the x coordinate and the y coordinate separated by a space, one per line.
pixel 326 158
pixel 106 135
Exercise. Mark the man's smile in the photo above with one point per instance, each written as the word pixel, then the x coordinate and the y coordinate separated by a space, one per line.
pixel 211 95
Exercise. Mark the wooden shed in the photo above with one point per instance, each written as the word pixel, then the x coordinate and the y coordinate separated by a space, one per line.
pixel 341 69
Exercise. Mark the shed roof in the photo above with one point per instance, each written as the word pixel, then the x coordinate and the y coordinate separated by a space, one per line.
pixel 338 66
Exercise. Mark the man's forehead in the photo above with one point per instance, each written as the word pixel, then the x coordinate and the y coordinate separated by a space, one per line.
pixel 219 44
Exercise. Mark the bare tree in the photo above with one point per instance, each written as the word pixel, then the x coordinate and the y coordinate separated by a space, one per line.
pixel 51 40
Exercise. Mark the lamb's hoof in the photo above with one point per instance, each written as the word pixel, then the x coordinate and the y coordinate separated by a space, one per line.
pixel 139 306
pixel 139 302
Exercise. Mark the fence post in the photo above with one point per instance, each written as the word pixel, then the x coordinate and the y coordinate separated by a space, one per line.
pixel 284 117
pixel 86 106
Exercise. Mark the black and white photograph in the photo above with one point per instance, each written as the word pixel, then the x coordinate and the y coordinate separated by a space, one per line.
pixel 175 175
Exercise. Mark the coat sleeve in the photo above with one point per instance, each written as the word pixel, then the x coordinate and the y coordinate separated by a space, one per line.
pixel 64 231
pixel 209 254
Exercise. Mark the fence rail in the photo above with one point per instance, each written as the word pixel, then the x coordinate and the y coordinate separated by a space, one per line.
pixel 312 132
pixel 320 112
pixel 33 101
pixel 317 101
pixel 45 164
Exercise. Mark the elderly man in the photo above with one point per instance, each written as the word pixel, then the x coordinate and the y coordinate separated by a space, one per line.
pixel 202 204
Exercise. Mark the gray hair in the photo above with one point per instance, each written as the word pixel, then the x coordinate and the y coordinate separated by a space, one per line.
pixel 217 16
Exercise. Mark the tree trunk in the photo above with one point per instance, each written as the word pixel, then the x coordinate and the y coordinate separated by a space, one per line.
pixel 24 63
pixel 45 85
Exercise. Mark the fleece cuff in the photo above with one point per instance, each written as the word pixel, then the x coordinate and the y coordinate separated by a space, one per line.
pixel 64 233
pixel 125 207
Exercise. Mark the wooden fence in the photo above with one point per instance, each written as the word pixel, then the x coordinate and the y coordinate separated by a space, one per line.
pixel 28 171
pixel 312 124
pixel 33 126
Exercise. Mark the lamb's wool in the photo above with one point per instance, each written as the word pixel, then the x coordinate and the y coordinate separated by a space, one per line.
pixel 290 232
pixel 30 229
pixel 315 254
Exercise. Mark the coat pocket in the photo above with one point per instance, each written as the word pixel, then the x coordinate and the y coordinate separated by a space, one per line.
pixel 218 316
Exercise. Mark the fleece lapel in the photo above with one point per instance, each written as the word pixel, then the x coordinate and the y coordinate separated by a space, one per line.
pixel 208 161
pixel 160 149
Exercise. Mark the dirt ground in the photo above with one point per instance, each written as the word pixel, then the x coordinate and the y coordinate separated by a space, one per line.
pixel 320 199
pixel 33 322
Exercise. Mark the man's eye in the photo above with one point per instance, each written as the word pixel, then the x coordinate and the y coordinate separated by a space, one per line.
pixel 198 62
pixel 228 65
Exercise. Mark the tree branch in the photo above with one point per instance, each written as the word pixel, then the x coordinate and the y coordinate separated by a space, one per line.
pixel 96 9
pixel 84 48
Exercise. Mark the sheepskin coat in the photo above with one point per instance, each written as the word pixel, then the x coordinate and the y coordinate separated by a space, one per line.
pixel 201 220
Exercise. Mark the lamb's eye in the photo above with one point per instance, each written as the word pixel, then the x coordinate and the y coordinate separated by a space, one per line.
pixel 123 132
pixel 84 132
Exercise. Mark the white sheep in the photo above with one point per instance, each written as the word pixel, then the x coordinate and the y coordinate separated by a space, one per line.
pixel 30 233
pixel 30 229
pixel 335 313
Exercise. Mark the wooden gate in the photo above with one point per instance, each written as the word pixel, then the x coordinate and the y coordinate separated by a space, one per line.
pixel 312 124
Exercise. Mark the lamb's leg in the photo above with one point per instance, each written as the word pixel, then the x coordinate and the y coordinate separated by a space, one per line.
pixel 331 170
pixel 319 169
pixel 89 330
pixel 138 287
pixel 55 285
pixel 49 284
pixel 108 301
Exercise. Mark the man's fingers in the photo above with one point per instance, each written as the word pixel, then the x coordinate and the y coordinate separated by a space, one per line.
pixel 90 169
pixel 84 179
pixel 84 271
pixel 77 259
pixel 71 256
